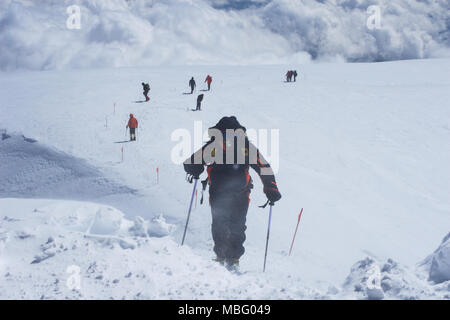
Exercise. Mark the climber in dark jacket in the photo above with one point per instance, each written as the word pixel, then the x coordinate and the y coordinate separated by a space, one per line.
pixel 199 102
pixel 146 88
pixel 230 184
pixel 192 84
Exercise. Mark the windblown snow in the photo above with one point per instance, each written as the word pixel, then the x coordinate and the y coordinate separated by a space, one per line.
pixel 118 33
pixel 364 149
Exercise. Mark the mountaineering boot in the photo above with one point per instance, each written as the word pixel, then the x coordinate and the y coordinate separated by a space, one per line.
pixel 220 260
pixel 232 264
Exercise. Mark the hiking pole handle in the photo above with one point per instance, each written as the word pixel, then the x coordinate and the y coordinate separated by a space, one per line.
pixel 189 212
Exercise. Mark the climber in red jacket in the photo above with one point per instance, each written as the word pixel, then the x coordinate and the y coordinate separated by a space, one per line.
pixel 132 124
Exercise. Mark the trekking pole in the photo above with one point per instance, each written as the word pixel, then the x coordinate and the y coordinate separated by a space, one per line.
pixel 190 208
pixel 267 240
pixel 295 233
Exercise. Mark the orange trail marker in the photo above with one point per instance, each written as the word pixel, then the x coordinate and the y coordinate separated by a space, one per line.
pixel 298 222
pixel 157 175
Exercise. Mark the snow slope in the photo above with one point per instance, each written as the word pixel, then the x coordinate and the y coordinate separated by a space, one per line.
pixel 41 172
pixel 44 257
pixel 363 149
pixel 78 250
pixel 34 35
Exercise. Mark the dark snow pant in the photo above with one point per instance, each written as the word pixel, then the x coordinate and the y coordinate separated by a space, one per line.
pixel 209 86
pixel 199 104
pixel 146 95
pixel 192 89
pixel 229 213
pixel 132 134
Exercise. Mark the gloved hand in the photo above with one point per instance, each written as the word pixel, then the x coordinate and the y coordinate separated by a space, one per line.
pixel 191 177
pixel 273 195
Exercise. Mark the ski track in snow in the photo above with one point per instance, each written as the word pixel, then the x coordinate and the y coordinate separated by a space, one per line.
pixel 360 148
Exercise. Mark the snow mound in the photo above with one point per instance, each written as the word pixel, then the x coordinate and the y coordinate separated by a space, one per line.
pixel 139 228
pixel 373 280
pixel 30 169
pixel 58 259
pixel 156 227
pixel 137 32
pixel 438 263
pixel 107 221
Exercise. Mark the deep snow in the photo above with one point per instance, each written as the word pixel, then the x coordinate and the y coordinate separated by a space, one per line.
pixel 363 149
pixel 114 261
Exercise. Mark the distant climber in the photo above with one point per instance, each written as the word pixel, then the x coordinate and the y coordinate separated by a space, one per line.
pixel 288 76
pixel 146 88
pixel 132 124
pixel 192 84
pixel 208 80
pixel 199 102
pixel 294 73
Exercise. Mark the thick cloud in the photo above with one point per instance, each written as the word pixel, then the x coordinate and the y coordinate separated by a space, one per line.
pixel 33 34
pixel 409 28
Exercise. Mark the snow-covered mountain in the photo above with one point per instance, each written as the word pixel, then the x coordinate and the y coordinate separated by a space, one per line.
pixel 363 149
pixel 34 34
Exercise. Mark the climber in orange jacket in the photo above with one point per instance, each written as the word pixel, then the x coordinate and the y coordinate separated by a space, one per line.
pixel 208 81
pixel 132 124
